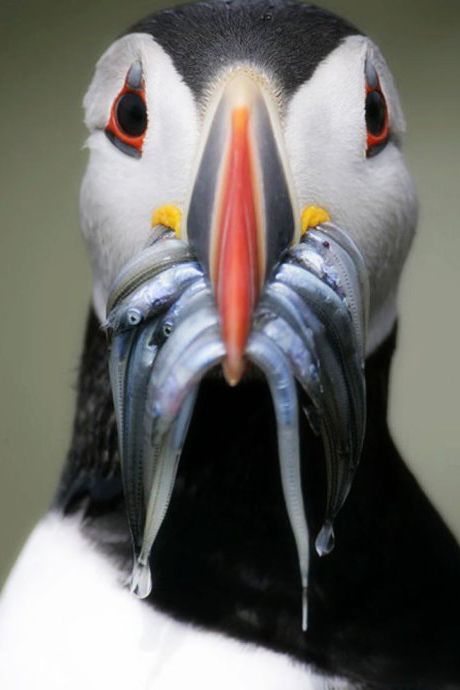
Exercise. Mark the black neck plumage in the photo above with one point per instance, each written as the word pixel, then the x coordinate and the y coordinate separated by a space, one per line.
pixel 383 607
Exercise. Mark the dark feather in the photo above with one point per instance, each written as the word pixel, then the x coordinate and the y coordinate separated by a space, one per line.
pixel 384 606
pixel 286 39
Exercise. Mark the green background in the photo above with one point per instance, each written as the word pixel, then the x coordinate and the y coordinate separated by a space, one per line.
pixel 48 49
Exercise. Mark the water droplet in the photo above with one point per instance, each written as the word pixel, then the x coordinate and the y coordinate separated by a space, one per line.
pixel 325 541
pixel 141 580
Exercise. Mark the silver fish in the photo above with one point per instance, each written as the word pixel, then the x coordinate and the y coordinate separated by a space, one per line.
pixel 168 415
pixel 333 411
pixel 162 485
pixel 332 312
pixel 309 326
pixel 153 296
pixel 138 373
pixel 331 255
pixel 265 353
pixel 144 266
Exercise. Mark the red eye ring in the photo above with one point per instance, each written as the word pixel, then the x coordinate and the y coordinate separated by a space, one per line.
pixel 377 119
pixel 130 103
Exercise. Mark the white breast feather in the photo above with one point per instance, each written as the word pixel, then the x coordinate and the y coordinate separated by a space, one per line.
pixel 67 623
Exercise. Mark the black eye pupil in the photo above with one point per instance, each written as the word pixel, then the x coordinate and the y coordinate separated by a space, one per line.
pixel 375 113
pixel 132 114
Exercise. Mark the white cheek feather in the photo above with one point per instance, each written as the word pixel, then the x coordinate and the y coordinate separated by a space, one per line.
pixel 67 623
pixel 119 193
pixel 372 198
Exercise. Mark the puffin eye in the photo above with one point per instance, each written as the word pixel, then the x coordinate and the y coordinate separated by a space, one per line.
pixel 377 121
pixel 375 113
pixel 132 114
pixel 128 116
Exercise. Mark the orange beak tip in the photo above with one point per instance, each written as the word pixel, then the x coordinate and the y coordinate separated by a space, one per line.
pixel 233 368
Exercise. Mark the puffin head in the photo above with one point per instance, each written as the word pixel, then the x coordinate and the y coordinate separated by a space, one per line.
pixel 246 200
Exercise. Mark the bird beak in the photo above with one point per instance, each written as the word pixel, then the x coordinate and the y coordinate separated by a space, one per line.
pixel 241 214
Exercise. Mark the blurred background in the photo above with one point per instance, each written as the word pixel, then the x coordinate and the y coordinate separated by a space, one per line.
pixel 48 49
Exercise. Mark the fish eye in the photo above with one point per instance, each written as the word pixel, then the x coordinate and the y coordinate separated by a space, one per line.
pixel 167 329
pixel 134 317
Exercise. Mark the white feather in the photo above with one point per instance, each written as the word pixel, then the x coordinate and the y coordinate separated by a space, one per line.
pixel 119 193
pixel 372 198
pixel 67 623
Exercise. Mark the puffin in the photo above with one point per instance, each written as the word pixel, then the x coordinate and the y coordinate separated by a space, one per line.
pixel 233 511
